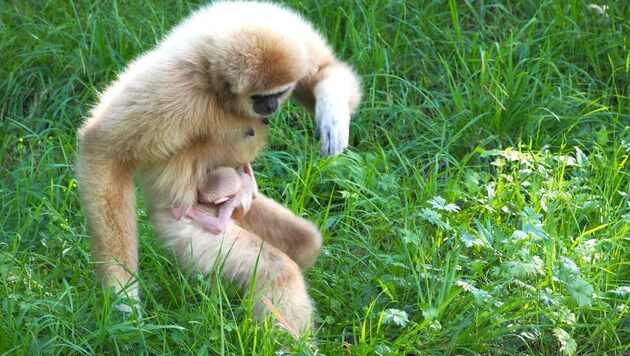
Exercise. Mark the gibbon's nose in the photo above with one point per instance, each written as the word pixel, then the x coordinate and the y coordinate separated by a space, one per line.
pixel 266 107
pixel 271 106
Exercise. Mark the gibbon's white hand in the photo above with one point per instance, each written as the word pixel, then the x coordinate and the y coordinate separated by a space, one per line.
pixel 332 115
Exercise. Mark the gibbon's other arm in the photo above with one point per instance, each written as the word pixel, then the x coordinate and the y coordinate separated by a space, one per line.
pixel 333 92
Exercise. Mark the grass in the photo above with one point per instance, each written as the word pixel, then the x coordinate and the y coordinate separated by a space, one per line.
pixel 483 208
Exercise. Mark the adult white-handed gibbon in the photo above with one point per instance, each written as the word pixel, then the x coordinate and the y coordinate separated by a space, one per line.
pixel 200 100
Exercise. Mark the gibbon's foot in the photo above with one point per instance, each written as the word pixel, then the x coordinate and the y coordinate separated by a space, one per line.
pixel 296 237
pixel 126 301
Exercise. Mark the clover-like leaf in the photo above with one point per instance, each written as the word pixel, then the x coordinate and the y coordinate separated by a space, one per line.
pixel 395 316
pixel 568 267
pixel 522 269
pixel 622 291
pixel 568 346
pixel 439 203
pixel 428 312
pixel 471 240
pixel 581 293
pixel 409 237
pixel 434 218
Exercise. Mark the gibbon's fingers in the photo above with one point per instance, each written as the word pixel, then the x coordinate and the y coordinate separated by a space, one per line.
pixel 247 168
pixel 128 310
pixel 239 205
pixel 333 125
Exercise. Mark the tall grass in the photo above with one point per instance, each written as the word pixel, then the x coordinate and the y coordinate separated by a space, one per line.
pixel 483 207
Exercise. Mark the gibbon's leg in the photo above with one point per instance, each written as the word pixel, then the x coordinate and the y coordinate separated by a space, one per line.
pixel 108 199
pixel 296 237
pixel 242 257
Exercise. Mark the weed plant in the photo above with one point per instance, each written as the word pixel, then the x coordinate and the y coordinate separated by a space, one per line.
pixel 483 207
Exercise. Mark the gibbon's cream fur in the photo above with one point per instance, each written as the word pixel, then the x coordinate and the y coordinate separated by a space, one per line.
pixel 200 100
pixel 226 193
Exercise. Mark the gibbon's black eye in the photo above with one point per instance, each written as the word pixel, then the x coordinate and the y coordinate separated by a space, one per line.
pixel 250 132
pixel 266 120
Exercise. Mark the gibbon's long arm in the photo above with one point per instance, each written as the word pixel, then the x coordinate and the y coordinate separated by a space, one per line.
pixel 108 199
pixel 333 93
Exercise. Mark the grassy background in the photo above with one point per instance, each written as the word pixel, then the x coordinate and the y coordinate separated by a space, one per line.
pixel 483 207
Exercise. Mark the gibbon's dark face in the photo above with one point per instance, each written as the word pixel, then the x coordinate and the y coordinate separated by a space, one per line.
pixel 266 105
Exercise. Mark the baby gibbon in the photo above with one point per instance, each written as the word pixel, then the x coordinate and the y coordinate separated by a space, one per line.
pixel 226 193
pixel 202 99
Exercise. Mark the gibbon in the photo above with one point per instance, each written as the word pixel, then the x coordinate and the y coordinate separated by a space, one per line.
pixel 202 99
pixel 226 193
